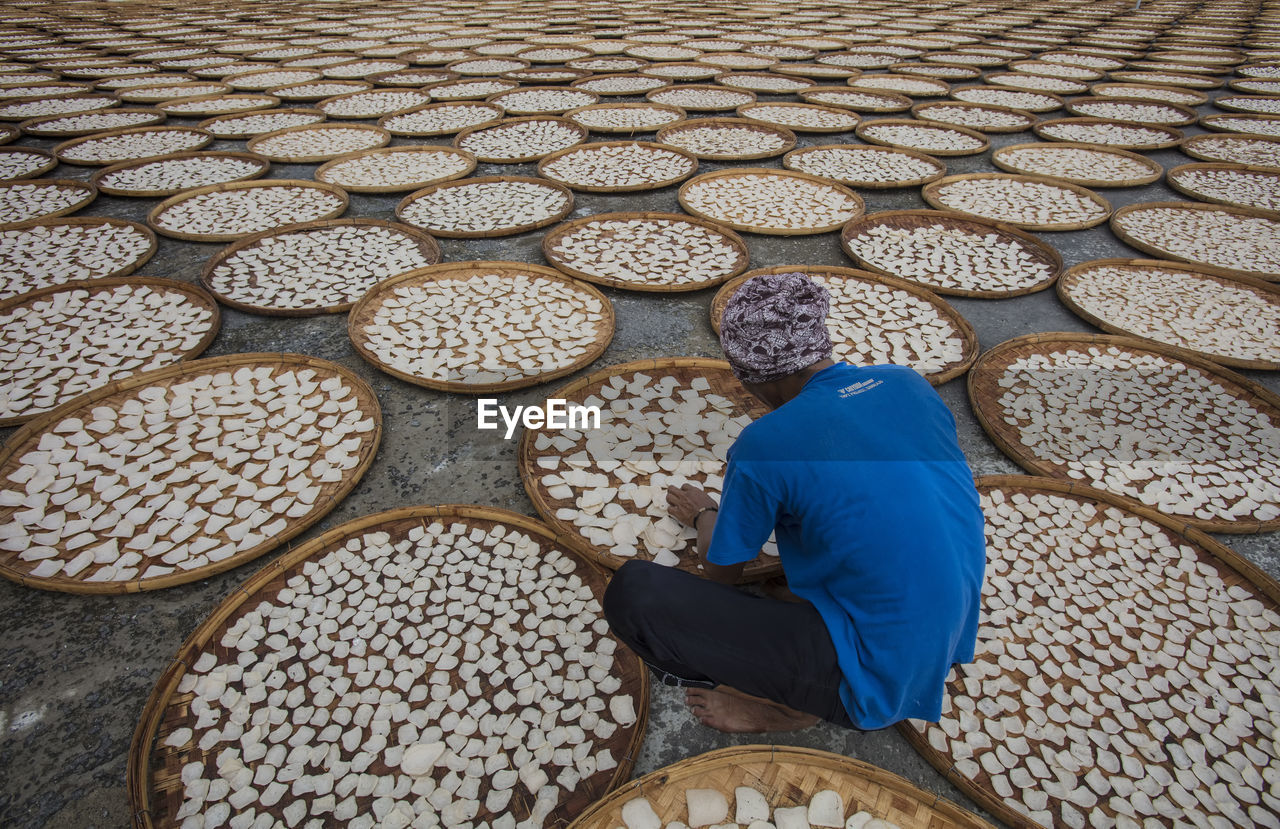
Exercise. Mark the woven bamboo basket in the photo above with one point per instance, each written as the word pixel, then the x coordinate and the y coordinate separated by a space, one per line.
pixel 764 83
pixel 12 109
pixel 1253 86
pixel 787 136
pixel 939 168
pixel 43 89
pixel 88 194
pixel 786 776
pixel 210 105
pixel 1221 122
pixel 190 292
pixel 1039 251
pixel 817 71
pixel 461 69
pixel 553 237
pixel 125 268
pixel 961 326
pixel 1244 103
pixel 1078 73
pixel 313 91
pixel 387 121
pixel 1052 101
pixel 214 125
pixel 48 163
pixel 1190 97
pixel 9 134
pixel 497 100
pixel 1172 136
pixel 1235 570
pixel 412 77
pixel 61 150
pixel 880 103
pixel 324 171
pixel 1037 83
pixel 448 90
pixel 506 123
pixel 260 81
pixel 426 244
pixel 1266 292
pixel 722 382
pixel 1178 79
pixel 864 131
pixel 732 97
pixel 999 158
pixel 238 185
pixel 784 174
pixel 1186 115
pixel 255 143
pixel 885 83
pixel 154 781
pixel 169 92
pixel 943 71
pixel 678 113
pixel 930 194
pixel 26 437
pixel 35 126
pixel 1171 178
pixel 921 112
pixel 985 392
pixel 851 119
pixel 363 310
pixel 96 178
pixel 583 84
pixel 324 104
pixel 490 234
pixel 1242 212
pixel 546 75
pixel 976 60
pixel 655 184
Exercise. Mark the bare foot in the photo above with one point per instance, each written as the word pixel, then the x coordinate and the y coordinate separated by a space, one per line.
pixel 736 713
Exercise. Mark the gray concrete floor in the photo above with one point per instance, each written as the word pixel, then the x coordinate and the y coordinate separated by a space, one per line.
pixel 75 671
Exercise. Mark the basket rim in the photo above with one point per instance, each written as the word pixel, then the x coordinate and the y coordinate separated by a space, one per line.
pixel 597 145
pixel 504 122
pixel 929 192
pixel 1156 169
pixel 404 149
pixel 1247 212
pixel 738 172
pixel 484 234
pixel 155 212
pixel 788 137
pixel 866 126
pixel 263 164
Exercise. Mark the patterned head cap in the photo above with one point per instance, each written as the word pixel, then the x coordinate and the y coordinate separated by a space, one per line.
pixel 775 325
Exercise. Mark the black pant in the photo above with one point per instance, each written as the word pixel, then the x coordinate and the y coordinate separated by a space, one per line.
pixel 697 633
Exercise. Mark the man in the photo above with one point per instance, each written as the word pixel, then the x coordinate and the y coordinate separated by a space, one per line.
pixel 859 473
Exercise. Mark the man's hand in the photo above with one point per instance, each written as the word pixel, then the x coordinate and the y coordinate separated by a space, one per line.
pixel 683 502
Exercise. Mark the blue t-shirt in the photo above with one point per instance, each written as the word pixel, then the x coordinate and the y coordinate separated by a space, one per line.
pixel 878 525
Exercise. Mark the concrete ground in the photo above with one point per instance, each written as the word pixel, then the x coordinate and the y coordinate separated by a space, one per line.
pixel 75 671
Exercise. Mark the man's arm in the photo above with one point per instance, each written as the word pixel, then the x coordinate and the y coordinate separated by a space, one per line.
pixel 691 506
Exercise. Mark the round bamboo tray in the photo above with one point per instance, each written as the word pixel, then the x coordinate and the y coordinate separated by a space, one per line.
pixel 931 195
pixel 390 122
pixel 489 234
pixel 786 136
pixel 1236 212
pixel 829 273
pixel 18 281
pixel 1178 79
pixel 46 162
pixel 1263 104
pixel 1265 293
pixel 817 71
pixel 648 184
pixel 216 124
pixel 88 194
pixel 497 67
pixel 947 71
pixel 1255 86
pixel 201 139
pixel 25 109
pixel 545 75
pixel 154 782
pixel 427 247
pixel 720 381
pixel 846 119
pixel 1197 550
pixel 557 234
pixel 154 215
pixel 858 100
pixel 730 99
pixel 412 77
pixel 209 105
pixel 1013 98
pixel 1170 137
pixel 933 113
pixel 326 172
pixel 988 383
pixel 1252 150
pixel 573 127
pixel 1184 115
pixel 117 393
pixel 465 89
pixel 362 313
pixel 1068 72
pixel 1155 92
pixel 262 166
pixel 9 134
pixel 577 98
pixel 326 105
pixel 737 172
pixel 677 114
pixel 313 91
pixel 255 144
pixel 866 129
pixel 1037 251
pixel 1037 83
pixel 899 84
pixel 789 162
pixel 1268 125
pixel 786 776
pixel 36 126
pixel 1172 179
pixel 262 80
pixel 1154 169
pixel 590 82
pixel 172 91
pixel 192 294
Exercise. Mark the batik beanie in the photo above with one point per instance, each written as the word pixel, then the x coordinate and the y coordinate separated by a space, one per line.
pixel 775 325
